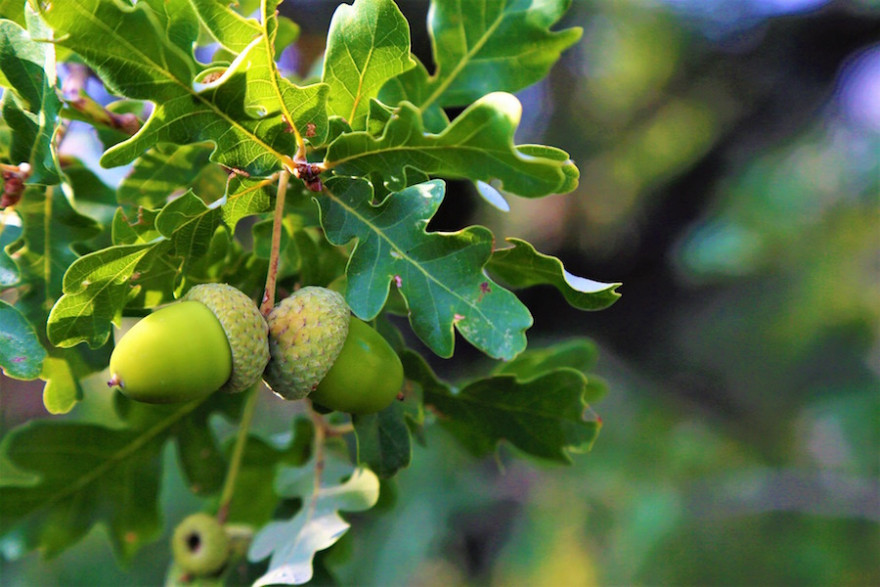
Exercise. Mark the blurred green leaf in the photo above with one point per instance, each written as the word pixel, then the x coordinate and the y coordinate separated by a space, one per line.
pixel 30 104
pixel 439 275
pixel 21 354
pixel 9 271
pixel 579 354
pixel 161 172
pixel 383 440
pixel 522 266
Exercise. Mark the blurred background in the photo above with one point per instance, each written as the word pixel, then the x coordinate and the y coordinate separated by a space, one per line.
pixel 730 178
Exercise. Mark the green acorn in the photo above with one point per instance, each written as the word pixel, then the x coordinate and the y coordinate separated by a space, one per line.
pixel 318 349
pixel 200 545
pixel 306 334
pixel 213 339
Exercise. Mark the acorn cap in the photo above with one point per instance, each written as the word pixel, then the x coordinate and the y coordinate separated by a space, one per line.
pixel 306 333
pixel 245 329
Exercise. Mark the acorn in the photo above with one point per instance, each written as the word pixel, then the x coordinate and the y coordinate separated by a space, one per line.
pixel 213 339
pixel 319 350
pixel 200 545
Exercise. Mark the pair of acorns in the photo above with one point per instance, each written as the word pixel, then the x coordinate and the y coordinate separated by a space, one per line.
pixel 216 339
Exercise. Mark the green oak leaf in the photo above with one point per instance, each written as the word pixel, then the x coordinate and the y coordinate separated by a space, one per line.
pixel 30 105
pixel 147 55
pixel 232 30
pixel 578 353
pixel 522 266
pixel 544 416
pixel 245 197
pixel 292 543
pixel 483 46
pixel 303 109
pixel 383 440
pixel 21 354
pixel 99 285
pixel 162 171
pixel 13 10
pixel 367 45
pixel 89 474
pixel 9 271
pixel 50 226
pixel 477 145
pixel 440 275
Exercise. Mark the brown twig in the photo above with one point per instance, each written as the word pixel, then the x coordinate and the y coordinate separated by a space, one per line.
pixel 274 254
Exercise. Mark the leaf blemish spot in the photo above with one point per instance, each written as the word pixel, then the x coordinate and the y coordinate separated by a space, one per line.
pixel 398 281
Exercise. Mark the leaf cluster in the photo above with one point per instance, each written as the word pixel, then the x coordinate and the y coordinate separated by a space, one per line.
pixel 206 140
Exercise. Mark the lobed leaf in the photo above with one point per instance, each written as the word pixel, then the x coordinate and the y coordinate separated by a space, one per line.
pixel 484 46
pixel 367 45
pixel 478 145
pixel 522 266
pixel 544 416
pixel 440 275
pixel 147 55
pixel 292 544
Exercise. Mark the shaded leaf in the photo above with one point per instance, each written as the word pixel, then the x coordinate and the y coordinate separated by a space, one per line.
pixel 367 45
pixel 89 474
pixel 544 416
pixel 578 353
pixel 21 354
pixel 522 266
pixel 439 274
pixel 293 543
pixel 160 172
pixel 383 440
pixel 478 145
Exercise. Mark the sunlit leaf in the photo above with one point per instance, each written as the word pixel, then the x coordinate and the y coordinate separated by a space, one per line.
pixel 30 106
pixel 367 45
pixel 484 46
pixel 478 145
pixel 148 55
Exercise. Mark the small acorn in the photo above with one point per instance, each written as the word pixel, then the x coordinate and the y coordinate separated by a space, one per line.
pixel 318 349
pixel 213 339
pixel 200 545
